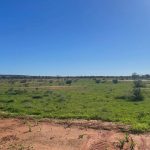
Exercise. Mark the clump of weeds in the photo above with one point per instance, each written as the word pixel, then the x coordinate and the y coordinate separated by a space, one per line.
pixel 126 143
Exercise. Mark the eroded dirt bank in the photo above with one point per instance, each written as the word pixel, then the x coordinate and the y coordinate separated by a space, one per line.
pixel 23 134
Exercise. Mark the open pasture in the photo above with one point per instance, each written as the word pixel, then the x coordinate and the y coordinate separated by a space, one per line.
pixel 92 99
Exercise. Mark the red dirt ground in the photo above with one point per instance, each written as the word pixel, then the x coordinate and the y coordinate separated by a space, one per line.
pixel 23 134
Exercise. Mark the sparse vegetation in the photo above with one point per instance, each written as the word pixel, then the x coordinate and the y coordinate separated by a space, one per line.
pixel 83 99
pixel 126 143
pixel 29 126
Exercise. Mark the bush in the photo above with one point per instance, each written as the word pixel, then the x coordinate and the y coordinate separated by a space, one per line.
pixel 137 95
pixel 69 82
pixel 97 81
pixel 36 97
pixel 115 81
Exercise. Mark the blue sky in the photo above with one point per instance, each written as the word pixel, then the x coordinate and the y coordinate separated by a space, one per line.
pixel 74 37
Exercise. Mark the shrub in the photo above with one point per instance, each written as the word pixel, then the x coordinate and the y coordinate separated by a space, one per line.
pixel 97 81
pixel 69 82
pixel 115 81
pixel 36 97
pixel 137 95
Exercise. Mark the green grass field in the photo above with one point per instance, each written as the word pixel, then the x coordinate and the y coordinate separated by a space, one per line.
pixel 83 99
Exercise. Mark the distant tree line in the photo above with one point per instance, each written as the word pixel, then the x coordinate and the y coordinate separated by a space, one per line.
pixel 134 76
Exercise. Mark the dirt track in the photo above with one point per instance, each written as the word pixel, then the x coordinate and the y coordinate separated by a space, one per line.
pixel 23 134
